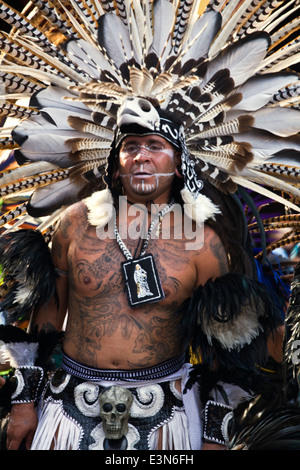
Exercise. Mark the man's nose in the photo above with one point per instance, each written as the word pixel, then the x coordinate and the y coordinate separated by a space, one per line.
pixel 142 155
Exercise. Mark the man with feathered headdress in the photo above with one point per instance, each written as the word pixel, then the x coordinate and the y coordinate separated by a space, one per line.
pixel 168 119
pixel 141 342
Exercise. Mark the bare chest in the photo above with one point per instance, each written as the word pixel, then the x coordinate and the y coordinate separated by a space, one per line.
pixel 95 268
pixel 120 336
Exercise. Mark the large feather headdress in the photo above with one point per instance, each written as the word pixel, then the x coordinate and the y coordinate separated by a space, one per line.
pixel 224 68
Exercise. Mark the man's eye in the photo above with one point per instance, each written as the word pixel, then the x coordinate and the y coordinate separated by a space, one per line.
pixel 131 148
pixel 155 147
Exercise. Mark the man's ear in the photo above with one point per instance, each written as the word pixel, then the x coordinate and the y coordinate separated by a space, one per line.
pixel 116 174
pixel 178 164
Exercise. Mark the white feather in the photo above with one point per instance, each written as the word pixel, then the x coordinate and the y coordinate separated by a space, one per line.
pixel 200 208
pixel 100 208
pixel 259 90
pixel 235 333
pixel 241 58
pixel 262 178
pixel 265 145
pixel 284 123
pixel 48 147
pixel 204 29
pixel 164 13
pixel 264 191
pixel 284 63
pixel 25 170
pixel 39 125
pixel 56 97
pixel 44 77
pixel 115 39
pixel 19 354
pixel 50 197
pixel 54 62
pixel 227 8
pixel 233 16
pixel 89 58
pixel 138 26
pixel 60 117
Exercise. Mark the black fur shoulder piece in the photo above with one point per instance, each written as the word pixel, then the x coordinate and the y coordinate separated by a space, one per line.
pixel 28 274
pixel 229 320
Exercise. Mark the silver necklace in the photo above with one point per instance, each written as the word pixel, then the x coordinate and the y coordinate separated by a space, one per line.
pixel 142 283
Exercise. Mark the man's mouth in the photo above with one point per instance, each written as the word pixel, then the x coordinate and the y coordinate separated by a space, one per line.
pixel 142 174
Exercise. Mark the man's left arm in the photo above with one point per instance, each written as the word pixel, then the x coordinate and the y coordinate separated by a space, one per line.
pixel 224 397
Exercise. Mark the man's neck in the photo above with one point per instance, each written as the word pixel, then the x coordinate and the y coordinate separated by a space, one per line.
pixel 147 200
pixel 138 213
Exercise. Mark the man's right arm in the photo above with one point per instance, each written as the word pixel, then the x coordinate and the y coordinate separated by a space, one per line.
pixel 49 318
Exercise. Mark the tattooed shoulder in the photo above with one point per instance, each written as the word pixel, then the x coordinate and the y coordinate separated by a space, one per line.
pixel 73 219
pixel 66 229
pixel 214 244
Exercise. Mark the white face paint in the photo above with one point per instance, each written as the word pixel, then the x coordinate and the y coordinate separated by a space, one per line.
pixel 146 164
pixel 145 183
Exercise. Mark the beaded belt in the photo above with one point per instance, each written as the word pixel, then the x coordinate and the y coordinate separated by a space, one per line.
pixel 150 373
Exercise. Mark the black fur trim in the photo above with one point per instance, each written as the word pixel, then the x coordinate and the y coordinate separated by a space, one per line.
pixel 13 334
pixel 26 265
pixel 6 392
pixel 220 306
pixel 254 382
pixel 49 344
pixel 279 429
pixel 48 341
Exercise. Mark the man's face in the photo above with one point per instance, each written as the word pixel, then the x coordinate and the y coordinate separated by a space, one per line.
pixel 147 165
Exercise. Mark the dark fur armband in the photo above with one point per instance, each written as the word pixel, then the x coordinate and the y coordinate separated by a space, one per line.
pixel 28 274
pixel 31 358
pixel 217 417
pixel 28 381
pixel 20 350
pixel 230 319
pixel 27 349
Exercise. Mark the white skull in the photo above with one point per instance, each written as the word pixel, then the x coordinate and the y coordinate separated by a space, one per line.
pixel 135 110
pixel 115 403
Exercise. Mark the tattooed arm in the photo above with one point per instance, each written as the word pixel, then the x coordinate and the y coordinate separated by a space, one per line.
pixel 23 418
pixel 215 264
pixel 212 260
pixel 51 316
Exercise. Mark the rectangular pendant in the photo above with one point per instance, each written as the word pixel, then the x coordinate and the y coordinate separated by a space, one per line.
pixel 142 281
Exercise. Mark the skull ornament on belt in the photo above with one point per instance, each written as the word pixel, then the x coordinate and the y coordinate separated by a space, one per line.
pixel 115 403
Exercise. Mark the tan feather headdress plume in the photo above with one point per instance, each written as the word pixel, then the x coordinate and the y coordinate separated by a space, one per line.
pixel 226 71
